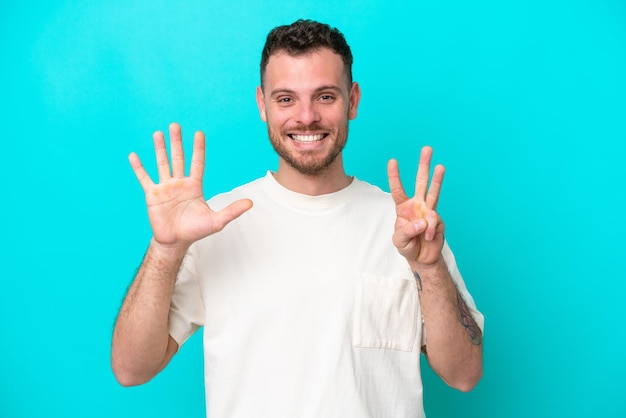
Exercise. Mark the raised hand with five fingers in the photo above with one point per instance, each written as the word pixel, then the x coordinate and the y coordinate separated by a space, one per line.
pixel 419 230
pixel 179 216
pixel 178 212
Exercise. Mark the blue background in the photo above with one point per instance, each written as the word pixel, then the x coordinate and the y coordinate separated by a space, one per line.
pixel 524 102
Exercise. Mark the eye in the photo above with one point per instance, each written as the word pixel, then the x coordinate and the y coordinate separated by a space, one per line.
pixel 284 100
pixel 326 98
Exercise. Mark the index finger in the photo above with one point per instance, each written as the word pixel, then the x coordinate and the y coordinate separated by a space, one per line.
pixel 435 187
pixel 196 171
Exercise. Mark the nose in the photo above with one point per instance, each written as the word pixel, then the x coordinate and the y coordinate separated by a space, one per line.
pixel 307 113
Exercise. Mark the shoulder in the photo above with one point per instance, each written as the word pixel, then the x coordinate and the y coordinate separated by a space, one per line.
pixel 370 204
pixel 372 193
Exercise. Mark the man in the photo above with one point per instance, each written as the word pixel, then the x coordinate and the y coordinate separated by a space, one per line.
pixel 316 291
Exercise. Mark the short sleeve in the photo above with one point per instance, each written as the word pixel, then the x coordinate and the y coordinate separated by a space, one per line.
pixel 187 311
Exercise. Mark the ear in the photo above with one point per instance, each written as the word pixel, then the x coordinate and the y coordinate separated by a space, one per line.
pixel 355 98
pixel 260 102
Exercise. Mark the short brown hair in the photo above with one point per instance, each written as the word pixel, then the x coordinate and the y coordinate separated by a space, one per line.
pixel 304 36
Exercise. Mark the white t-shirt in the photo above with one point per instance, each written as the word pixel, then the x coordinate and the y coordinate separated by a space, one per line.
pixel 307 307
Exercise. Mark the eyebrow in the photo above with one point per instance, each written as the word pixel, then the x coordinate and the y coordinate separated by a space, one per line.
pixel 317 90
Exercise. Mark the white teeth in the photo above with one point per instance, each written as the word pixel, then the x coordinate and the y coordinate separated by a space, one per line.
pixel 307 138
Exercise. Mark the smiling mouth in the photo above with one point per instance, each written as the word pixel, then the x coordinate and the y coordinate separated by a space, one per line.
pixel 307 138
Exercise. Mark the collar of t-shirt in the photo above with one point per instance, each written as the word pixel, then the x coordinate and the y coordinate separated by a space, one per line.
pixel 302 202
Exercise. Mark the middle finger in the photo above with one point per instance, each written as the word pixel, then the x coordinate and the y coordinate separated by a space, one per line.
pixel 423 170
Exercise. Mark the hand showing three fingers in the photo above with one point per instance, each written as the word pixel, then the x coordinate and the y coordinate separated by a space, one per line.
pixel 178 212
pixel 419 230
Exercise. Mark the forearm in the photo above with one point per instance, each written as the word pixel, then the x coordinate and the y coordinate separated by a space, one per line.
pixel 454 340
pixel 141 337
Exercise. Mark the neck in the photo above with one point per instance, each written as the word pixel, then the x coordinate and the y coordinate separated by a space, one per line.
pixel 330 180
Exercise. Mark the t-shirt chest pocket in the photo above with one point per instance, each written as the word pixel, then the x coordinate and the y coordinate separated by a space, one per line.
pixel 385 313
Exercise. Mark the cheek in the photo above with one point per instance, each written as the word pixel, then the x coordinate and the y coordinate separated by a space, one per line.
pixel 336 116
pixel 276 117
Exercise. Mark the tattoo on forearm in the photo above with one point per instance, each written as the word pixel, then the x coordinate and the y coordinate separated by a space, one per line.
pixel 418 280
pixel 465 318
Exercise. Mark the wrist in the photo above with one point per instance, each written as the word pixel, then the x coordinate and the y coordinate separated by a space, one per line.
pixel 167 252
pixel 430 273
pixel 427 269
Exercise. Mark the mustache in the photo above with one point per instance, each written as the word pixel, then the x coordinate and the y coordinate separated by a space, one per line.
pixel 308 128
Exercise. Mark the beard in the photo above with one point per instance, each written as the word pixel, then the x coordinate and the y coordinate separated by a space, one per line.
pixel 309 162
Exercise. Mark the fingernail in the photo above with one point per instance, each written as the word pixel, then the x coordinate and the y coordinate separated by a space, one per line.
pixel 420 225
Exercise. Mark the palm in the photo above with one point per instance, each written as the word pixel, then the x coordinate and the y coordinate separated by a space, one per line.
pixel 418 248
pixel 177 210
pixel 419 231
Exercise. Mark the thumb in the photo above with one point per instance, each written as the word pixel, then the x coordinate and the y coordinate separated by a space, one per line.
pixel 231 212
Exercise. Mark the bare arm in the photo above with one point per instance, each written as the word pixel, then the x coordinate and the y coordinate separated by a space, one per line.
pixel 142 346
pixel 454 341
pixel 178 216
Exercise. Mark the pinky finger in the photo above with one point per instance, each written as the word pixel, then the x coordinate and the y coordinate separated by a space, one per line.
pixel 432 219
pixel 140 171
